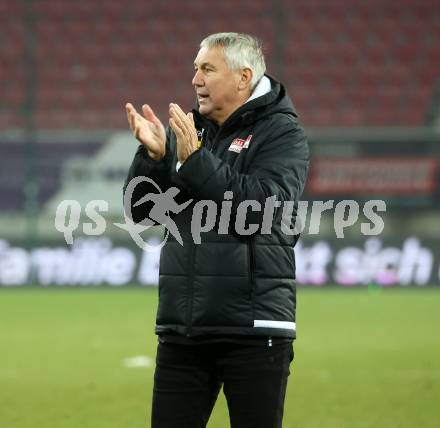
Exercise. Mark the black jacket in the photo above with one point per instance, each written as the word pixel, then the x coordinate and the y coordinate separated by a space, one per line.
pixel 230 284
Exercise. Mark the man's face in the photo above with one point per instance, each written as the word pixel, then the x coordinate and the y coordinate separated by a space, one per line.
pixel 218 89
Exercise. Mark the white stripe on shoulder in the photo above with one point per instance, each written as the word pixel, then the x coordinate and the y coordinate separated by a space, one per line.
pixel 275 324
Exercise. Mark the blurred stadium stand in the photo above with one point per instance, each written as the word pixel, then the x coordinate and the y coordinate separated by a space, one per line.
pixel 346 63
pixel 364 76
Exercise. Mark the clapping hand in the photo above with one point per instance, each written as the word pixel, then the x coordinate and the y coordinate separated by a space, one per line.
pixel 183 126
pixel 148 130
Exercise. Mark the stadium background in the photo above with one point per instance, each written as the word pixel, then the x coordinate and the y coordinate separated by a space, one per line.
pixel 76 322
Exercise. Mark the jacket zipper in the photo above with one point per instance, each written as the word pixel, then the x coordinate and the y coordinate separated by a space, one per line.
pixel 213 141
pixel 250 244
pixel 190 292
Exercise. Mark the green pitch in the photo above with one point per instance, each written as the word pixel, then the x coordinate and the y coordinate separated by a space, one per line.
pixel 363 359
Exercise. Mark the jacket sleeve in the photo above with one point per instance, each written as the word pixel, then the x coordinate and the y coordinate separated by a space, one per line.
pixel 279 168
pixel 156 171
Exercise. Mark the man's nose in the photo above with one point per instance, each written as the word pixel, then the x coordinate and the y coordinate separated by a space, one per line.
pixel 197 80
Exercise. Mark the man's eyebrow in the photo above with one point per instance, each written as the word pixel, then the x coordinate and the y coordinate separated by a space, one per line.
pixel 204 65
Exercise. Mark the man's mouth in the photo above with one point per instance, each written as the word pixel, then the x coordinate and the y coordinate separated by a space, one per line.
pixel 202 97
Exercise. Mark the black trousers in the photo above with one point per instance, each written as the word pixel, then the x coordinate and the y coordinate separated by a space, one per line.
pixel 188 379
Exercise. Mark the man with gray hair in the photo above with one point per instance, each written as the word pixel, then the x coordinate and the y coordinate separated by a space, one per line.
pixel 226 313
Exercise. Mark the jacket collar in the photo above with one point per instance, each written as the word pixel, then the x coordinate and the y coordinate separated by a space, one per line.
pixel 263 87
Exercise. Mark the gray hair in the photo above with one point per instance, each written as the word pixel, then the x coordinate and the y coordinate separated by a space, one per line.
pixel 241 51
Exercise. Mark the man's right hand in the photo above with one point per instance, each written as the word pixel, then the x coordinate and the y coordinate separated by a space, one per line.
pixel 148 130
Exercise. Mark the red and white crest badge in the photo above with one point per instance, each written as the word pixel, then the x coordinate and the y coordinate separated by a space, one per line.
pixel 239 144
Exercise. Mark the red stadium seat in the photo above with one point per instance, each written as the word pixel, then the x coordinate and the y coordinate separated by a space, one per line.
pixel 345 63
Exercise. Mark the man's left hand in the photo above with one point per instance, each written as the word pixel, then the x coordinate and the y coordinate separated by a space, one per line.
pixel 183 126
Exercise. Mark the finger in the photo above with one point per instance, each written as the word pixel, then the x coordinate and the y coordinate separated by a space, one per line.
pixel 177 130
pixel 189 123
pixel 129 118
pixel 130 109
pixel 149 114
pixel 139 125
pixel 173 111
pixel 193 124
pixel 176 127
pixel 177 119
pixel 136 127
pixel 134 118
pixel 186 119
pixel 182 118
pixel 178 111
pixel 191 118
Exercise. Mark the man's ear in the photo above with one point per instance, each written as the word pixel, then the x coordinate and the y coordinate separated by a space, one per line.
pixel 245 79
